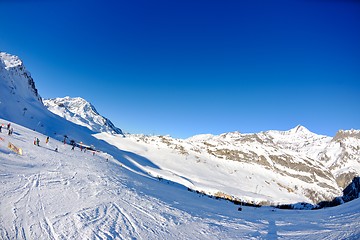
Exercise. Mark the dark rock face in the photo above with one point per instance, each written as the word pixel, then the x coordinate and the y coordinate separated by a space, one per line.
pixel 352 191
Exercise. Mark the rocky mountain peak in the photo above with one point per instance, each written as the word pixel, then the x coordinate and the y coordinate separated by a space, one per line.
pixel 16 77
pixel 10 61
pixel 299 130
pixel 81 112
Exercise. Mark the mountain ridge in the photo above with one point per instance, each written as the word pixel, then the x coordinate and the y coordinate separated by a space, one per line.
pixel 284 153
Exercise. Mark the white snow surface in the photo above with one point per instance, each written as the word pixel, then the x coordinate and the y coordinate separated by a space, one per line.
pixel 75 195
pixel 118 193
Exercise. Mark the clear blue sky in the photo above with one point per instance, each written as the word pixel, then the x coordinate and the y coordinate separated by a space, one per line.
pixel 189 67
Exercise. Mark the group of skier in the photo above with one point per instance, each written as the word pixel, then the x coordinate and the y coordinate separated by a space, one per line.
pixel 72 143
pixel 80 145
pixel 9 128
pixel 37 140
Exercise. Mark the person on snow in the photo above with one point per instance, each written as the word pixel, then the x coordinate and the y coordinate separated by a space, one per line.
pixel 8 126
pixel 65 137
pixel 0 127
pixel 37 142
pixel 47 140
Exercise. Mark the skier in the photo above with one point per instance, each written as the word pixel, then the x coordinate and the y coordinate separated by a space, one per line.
pixel 37 142
pixel 47 140
pixel 8 126
pixel 0 127
pixel 56 149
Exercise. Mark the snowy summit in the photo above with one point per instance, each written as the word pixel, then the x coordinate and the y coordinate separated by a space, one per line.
pixel 10 61
pixel 81 112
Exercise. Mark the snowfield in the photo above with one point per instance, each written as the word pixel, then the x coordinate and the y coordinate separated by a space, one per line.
pixel 77 195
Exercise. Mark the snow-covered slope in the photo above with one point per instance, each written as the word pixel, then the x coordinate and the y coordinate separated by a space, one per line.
pixel 18 91
pixel 342 156
pixel 274 167
pixel 74 195
pixel 81 112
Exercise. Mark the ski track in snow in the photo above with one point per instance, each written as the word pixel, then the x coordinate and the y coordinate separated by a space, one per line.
pixel 29 213
pixel 74 195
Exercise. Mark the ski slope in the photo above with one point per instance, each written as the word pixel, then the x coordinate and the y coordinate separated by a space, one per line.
pixel 77 195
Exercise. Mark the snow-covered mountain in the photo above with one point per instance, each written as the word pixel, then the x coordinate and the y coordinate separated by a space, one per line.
pixel 266 168
pixel 20 102
pixel 81 112
pixel 18 91
pixel 21 82
pixel 273 167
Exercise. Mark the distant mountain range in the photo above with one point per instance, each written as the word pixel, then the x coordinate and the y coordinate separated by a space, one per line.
pixel 264 167
pixel 268 168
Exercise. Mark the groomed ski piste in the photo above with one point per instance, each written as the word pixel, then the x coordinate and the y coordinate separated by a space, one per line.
pixel 72 194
